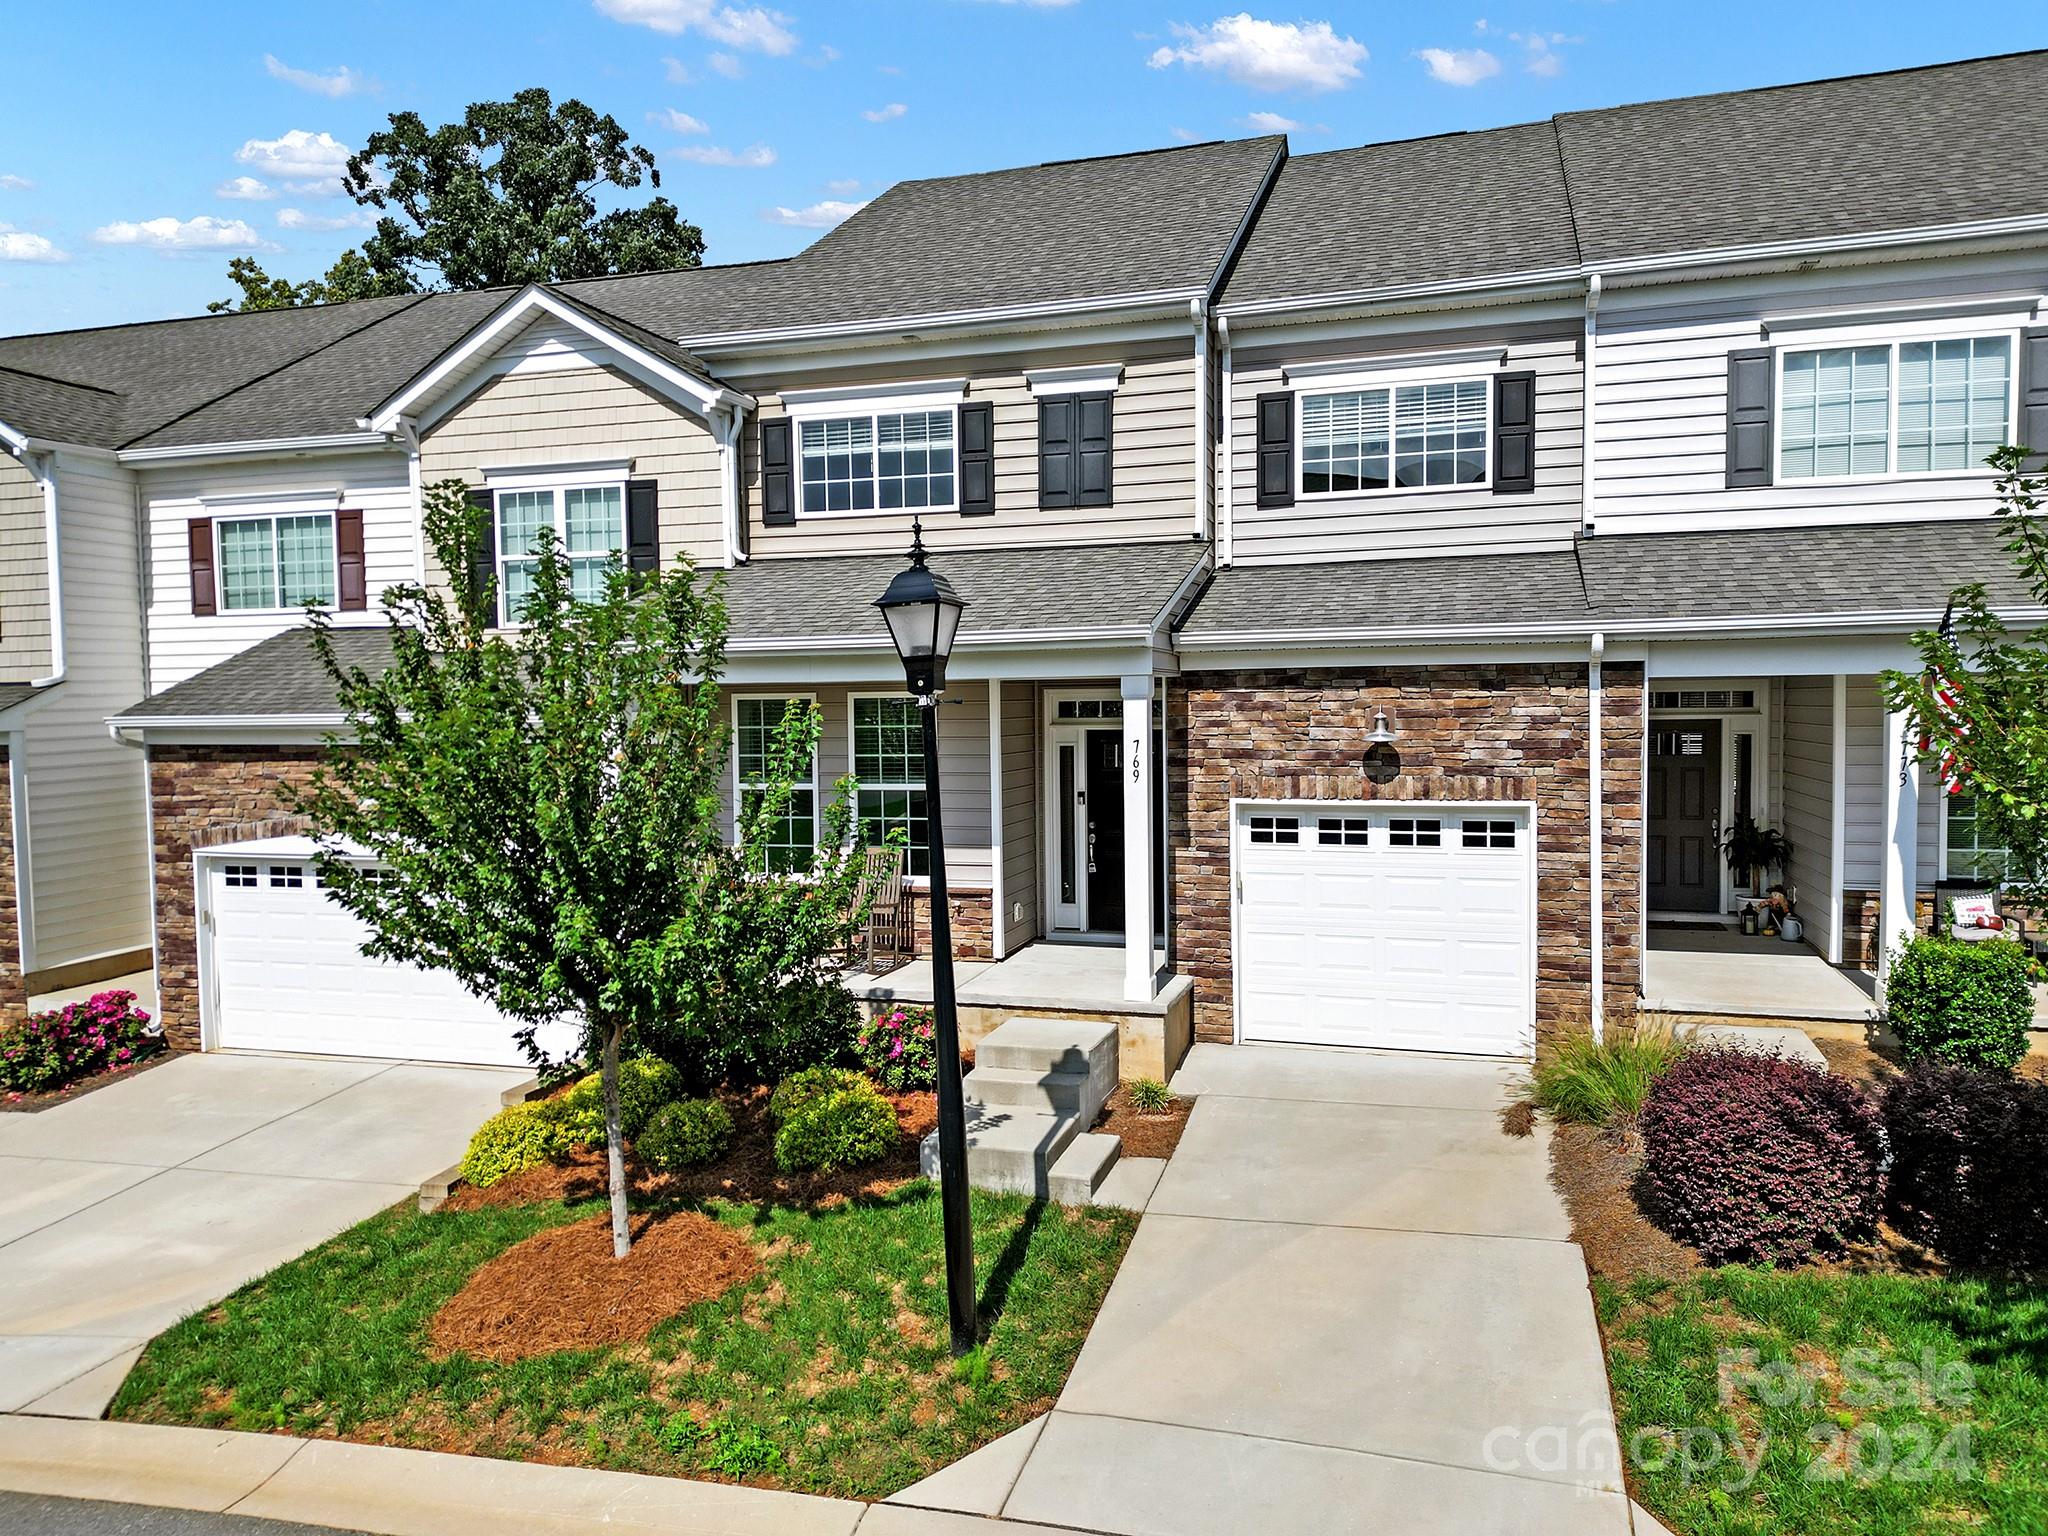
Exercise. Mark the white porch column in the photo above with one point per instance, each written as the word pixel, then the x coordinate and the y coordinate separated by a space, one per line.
pixel 1138 802
pixel 1897 913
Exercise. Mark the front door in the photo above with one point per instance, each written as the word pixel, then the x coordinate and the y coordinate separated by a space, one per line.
pixel 1104 820
pixel 1685 816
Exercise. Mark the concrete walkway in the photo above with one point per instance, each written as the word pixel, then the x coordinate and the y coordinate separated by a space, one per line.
pixel 1352 1306
pixel 126 1209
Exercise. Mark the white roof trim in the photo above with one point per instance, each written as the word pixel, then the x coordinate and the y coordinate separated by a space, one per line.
pixel 1449 362
pixel 17 442
pixel 858 394
pixel 900 324
pixel 1085 379
pixel 255 447
pixel 699 394
pixel 2019 305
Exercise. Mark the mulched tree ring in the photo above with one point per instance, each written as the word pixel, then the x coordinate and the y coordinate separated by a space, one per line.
pixel 562 1289
pixel 1144 1135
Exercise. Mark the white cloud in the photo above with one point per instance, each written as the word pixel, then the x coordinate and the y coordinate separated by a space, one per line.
pixel 753 158
pixel 678 122
pixel 888 69
pixel 245 189
pixel 818 216
pixel 677 71
pixel 845 186
pixel 727 65
pixel 12 183
pixel 20 245
pixel 825 55
pixel 1459 66
pixel 167 234
pixel 751 26
pixel 339 81
pixel 1270 122
pixel 1266 55
pixel 311 163
pixel 887 114
pixel 1542 57
pixel 297 218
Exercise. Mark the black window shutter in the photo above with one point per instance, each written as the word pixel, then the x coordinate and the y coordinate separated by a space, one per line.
pixel 199 544
pixel 1749 417
pixel 2034 397
pixel 1056 451
pixel 778 474
pixel 1514 433
pixel 643 525
pixel 483 554
pixel 978 459
pixel 352 586
pixel 1094 445
pixel 1276 449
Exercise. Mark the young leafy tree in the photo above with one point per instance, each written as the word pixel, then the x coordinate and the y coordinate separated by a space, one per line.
pixel 544 811
pixel 1979 703
pixel 508 195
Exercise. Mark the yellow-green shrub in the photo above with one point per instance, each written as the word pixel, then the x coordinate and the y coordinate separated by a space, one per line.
pixel 515 1139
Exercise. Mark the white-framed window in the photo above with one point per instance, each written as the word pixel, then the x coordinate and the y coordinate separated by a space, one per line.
pixel 1925 407
pixel 1427 435
pixel 588 522
pixel 1970 852
pixel 888 775
pixel 793 840
pixel 880 460
pixel 271 562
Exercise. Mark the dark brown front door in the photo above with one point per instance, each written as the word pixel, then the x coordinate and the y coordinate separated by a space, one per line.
pixel 1685 816
pixel 1105 845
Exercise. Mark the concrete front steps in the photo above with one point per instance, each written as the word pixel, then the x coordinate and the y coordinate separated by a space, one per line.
pixel 1036 1087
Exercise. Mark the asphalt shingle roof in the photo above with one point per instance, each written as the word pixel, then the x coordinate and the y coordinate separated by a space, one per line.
pixel 1008 591
pixel 1619 579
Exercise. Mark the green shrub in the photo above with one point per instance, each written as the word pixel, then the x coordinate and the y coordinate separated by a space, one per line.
pixel 1148 1095
pixel 645 1085
pixel 761 1034
pixel 1595 1083
pixel 842 1128
pixel 1964 1004
pixel 685 1133
pixel 799 1089
pixel 515 1139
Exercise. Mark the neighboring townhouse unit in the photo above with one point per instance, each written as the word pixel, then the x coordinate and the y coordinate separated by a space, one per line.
pixel 1391 571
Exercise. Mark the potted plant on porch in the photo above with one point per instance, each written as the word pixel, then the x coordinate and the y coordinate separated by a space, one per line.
pixel 1753 850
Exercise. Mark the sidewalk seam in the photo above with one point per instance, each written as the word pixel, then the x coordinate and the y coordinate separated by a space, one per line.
pixel 297 1448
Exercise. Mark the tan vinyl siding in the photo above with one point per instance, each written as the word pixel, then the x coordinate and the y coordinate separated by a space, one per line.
pixel 1153 468
pixel 24 575
pixel 1414 523
pixel 569 415
pixel 1020 748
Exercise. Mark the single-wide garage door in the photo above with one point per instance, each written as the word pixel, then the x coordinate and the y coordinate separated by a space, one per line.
pixel 1398 928
pixel 287 973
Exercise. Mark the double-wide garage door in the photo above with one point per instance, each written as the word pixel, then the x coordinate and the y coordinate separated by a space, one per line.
pixel 285 971
pixel 1381 925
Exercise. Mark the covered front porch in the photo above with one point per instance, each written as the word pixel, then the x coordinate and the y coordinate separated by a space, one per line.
pixel 1706 969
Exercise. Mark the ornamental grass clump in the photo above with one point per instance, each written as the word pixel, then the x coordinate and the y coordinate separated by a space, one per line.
pixel 105 1033
pixel 1969 1173
pixel 1961 1003
pixel 899 1049
pixel 1587 1082
pixel 1753 1158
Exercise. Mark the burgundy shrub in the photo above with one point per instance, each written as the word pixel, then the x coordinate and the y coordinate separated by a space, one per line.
pixel 1755 1158
pixel 1969 1173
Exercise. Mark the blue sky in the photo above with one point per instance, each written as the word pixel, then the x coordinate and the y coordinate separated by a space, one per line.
pixel 143 145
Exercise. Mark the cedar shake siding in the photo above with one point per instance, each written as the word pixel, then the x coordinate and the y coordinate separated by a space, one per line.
pixel 1467 734
pixel 201 797
pixel 24 574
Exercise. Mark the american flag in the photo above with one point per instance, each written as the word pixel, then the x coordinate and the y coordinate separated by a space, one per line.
pixel 1950 726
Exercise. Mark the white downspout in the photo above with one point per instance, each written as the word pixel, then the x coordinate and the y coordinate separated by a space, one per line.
pixel 1588 494
pixel 730 490
pixel 1204 428
pixel 44 468
pixel 1598 883
pixel 1225 443
pixel 409 430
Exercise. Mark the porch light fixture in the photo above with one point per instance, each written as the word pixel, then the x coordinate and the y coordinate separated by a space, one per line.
pixel 1381 734
pixel 923 614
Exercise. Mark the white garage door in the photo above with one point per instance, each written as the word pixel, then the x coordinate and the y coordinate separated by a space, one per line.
pixel 287 973
pixel 1398 928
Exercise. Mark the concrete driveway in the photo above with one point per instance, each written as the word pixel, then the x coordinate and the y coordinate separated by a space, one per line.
pixel 1352 1305
pixel 133 1206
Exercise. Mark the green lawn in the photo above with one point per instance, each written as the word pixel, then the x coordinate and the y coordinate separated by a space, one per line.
pixel 1942 1426
pixel 828 1373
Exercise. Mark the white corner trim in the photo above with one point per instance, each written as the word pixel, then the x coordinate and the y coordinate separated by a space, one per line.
pixel 853 399
pixel 1451 362
pixel 1085 379
pixel 2015 307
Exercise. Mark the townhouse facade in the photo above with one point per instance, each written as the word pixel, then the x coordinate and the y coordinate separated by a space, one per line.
pixel 1391 571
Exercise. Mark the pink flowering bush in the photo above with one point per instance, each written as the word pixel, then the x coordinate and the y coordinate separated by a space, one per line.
pixel 896 1049
pixel 106 1032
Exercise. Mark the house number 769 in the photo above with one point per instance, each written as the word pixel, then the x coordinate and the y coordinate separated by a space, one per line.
pixel 1135 740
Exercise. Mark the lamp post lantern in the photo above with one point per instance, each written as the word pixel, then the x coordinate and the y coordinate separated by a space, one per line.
pixel 923 614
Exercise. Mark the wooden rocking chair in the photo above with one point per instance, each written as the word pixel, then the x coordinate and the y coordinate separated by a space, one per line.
pixel 886 942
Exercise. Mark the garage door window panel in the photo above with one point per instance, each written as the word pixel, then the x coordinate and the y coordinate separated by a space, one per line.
pixel 1415 832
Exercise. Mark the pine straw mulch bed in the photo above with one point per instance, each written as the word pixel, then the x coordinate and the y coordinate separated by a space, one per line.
pixel 745 1174
pixel 562 1289
pixel 1144 1135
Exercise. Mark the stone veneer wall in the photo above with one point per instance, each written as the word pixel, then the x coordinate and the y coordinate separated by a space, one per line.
pixel 13 988
pixel 200 797
pixel 973 916
pixel 1466 733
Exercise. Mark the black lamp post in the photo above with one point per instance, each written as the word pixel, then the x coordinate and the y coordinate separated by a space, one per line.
pixel 923 614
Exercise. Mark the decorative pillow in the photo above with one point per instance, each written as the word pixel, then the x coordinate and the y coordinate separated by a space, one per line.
pixel 1978 912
